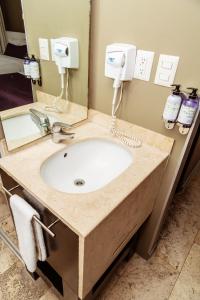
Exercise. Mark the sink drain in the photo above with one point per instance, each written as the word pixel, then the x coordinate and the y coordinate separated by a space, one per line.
pixel 79 182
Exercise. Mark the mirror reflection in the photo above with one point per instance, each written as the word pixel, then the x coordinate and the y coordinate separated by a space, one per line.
pixel 15 88
pixel 46 79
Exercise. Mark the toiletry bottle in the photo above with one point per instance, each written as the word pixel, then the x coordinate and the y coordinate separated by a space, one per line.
pixel 188 109
pixel 27 70
pixel 172 107
pixel 35 70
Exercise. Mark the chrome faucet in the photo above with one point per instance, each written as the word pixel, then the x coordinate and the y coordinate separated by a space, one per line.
pixel 41 120
pixel 59 133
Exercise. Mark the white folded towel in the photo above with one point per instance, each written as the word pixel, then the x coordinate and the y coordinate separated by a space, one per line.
pixel 29 232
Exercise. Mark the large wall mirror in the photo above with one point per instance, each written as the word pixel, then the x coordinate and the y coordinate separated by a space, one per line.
pixel 29 28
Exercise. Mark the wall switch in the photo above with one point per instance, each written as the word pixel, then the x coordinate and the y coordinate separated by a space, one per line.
pixel 52 49
pixel 44 48
pixel 143 66
pixel 166 70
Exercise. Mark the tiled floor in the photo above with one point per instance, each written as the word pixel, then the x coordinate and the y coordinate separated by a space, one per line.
pixel 173 272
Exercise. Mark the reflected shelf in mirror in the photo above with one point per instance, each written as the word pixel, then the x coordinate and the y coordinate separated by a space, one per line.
pixel 19 128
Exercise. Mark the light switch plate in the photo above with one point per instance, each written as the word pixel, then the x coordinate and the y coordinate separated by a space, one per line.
pixel 166 70
pixel 143 66
pixel 52 49
pixel 44 48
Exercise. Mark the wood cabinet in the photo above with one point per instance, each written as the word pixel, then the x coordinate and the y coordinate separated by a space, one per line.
pixel 77 265
pixel 61 266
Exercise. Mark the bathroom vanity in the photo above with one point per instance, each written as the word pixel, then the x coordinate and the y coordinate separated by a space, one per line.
pixel 93 193
pixel 89 230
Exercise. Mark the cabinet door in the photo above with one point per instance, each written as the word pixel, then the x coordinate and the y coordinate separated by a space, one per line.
pixel 62 249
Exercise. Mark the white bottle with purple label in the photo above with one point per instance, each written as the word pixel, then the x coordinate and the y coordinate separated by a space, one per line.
pixel 172 107
pixel 188 109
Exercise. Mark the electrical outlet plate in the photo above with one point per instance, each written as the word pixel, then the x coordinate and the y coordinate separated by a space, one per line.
pixel 143 66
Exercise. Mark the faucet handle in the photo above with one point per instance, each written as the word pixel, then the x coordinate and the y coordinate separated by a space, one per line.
pixel 58 132
pixel 59 126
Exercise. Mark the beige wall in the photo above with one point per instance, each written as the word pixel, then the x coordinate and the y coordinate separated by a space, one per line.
pixel 53 19
pixel 12 12
pixel 166 27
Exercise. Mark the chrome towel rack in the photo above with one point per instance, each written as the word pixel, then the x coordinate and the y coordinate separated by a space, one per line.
pixel 46 228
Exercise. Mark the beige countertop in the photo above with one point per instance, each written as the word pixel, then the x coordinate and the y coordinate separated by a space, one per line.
pixel 83 212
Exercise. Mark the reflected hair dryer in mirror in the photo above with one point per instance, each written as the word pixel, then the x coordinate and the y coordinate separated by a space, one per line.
pixel 66 56
pixel 66 53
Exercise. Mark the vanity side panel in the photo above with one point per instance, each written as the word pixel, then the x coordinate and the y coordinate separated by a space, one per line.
pixel 107 240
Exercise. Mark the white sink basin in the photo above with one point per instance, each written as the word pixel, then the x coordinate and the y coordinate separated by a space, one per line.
pixel 86 166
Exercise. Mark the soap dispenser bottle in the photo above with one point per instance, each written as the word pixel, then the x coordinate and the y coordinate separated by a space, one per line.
pixel 172 107
pixel 188 111
pixel 26 63
pixel 35 70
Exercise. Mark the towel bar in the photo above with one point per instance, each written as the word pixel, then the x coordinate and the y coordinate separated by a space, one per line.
pixel 44 227
pixel 8 192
